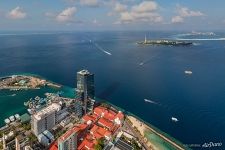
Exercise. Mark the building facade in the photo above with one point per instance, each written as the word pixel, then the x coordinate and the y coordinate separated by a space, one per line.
pixel 68 141
pixel 78 108
pixel 85 89
pixel 44 119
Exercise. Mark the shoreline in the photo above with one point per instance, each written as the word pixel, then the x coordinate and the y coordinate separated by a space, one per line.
pixel 144 126
pixel 140 124
pixel 30 81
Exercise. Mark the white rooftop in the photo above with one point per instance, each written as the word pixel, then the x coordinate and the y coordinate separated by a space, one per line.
pixel 47 110
pixel 83 72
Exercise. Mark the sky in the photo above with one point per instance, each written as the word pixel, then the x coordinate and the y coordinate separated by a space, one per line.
pixel 112 15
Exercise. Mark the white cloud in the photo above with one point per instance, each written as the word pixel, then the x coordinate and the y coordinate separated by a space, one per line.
pixel 145 6
pixel 17 13
pixel 66 15
pixel 143 12
pixel 120 7
pixel 92 3
pixel 177 19
pixel 184 12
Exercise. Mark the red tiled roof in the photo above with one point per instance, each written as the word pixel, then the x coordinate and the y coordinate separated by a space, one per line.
pixel 98 135
pixel 99 132
pixel 110 115
pixel 86 118
pixel 99 110
pixel 106 123
pixel 78 128
pixel 86 144
pixel 94 129
pixel 54 146
pixel 120 115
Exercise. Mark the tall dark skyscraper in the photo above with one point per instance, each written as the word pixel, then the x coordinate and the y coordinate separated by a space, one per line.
pixel 86 89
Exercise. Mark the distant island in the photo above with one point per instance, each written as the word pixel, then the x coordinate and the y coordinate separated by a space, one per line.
pixel 22 82
pixel 164 42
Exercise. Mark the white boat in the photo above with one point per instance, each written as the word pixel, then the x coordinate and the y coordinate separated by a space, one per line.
pixel 12 118
pixel 17 116
pixel 30 111
pixel 7 121
pixel 188 72
pixel 141 64
pixel 174 119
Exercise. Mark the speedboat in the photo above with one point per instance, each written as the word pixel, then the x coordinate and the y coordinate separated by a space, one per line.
pixel 174 119
pixel 188 72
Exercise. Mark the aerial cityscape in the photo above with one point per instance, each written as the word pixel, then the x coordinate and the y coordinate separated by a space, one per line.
pixel 112 75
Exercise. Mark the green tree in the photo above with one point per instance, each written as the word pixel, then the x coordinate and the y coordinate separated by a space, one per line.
pixel 98 147
pixel 100 144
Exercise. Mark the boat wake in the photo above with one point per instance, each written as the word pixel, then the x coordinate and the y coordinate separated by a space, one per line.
pixel 196 44
pixel 11 95
pixel 193 33
pixel 148 60
pixel 101 49
pixel 150 101
pixel 198 39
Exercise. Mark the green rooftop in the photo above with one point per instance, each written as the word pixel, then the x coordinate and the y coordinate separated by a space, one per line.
pixel 25 118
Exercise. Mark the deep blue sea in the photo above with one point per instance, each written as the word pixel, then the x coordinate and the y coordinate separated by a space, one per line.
pixel 127 73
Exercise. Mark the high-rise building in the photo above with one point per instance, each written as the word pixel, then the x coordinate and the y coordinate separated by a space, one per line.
pixel 68 141
pixel 86 89
pixel 45 119
pixel 78 105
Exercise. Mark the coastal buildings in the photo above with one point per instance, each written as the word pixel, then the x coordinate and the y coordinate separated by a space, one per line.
pixel 85 135
pixel 45 119
pixel 86 89
pixel 69 140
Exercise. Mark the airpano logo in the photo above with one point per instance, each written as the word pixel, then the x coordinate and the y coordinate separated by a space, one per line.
pixel 211 145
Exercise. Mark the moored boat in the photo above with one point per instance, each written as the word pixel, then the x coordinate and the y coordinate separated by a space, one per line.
pixel 7 121
pixel 12 118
